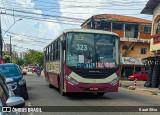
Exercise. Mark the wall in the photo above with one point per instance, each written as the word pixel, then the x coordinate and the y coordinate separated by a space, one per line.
pixel 119 32
pixel 143 35
pixel 136 52
pixel 156 18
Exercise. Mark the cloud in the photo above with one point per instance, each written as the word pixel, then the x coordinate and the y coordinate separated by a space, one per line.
pixel 39 29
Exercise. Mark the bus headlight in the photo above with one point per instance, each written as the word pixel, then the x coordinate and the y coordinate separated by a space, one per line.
pixel 114 81
pixel 22 82
pixel 70 79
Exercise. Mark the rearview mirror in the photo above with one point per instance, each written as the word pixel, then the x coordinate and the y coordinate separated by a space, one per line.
pixel 9 80
pixel 15 101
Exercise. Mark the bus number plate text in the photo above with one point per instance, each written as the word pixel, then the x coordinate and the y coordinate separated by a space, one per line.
pixel 95 89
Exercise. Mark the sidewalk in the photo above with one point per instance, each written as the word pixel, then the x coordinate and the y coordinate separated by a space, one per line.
pixel 139 87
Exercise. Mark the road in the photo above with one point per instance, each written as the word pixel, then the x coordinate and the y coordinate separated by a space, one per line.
pixel 41 95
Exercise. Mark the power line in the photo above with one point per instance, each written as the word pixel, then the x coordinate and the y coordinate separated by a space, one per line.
pixel 47 15
pixel 45 19
pixel 85 5
pixel 27 35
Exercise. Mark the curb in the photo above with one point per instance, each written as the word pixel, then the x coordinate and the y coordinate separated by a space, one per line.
pixel 141 90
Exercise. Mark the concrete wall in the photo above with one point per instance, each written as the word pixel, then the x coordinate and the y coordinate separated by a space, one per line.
pixel 136 52
pixel 156 18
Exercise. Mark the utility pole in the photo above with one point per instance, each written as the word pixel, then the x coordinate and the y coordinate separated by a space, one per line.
pixel 10 45
pixel 1 41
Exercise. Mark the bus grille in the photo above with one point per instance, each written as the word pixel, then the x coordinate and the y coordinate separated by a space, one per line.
pixel 95 76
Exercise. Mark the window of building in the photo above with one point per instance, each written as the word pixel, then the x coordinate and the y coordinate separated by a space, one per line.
pixel 143 50
pixel 147 29
pixel 132 48
pixel 128 27
pixel 158 28
pixel 97 24
pixel 125 47
pixel 103 25
pixel 117 26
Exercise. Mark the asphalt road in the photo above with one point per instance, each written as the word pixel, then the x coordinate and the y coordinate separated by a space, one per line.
pixel 41 95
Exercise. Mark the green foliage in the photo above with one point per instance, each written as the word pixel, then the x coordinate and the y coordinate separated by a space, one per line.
pixel 7 59
pixel 33 58
pixel 18 61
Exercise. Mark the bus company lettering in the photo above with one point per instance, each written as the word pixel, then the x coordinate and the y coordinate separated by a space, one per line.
pixel 86 65
pixel 28 109
pixel 105 65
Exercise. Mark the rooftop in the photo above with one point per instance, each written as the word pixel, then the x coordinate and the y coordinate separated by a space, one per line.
pixel 149 8
pixel 119 18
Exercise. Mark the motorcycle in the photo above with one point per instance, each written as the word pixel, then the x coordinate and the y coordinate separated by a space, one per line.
pixel 38 72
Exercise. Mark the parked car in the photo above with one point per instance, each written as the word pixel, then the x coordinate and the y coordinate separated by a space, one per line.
pixel 141 76
pixel 29 68
pixel 8 98
pixel 10 70
pixel 34 68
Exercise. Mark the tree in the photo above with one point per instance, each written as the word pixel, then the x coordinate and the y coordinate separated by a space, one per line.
pixel 33 58
pixel 7 59
pixel 18 61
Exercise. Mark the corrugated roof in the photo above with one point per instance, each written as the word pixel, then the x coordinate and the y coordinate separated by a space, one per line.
pixel 122 18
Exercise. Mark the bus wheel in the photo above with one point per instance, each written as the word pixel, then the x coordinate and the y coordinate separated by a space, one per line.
pixel 50 85
pixel 100 93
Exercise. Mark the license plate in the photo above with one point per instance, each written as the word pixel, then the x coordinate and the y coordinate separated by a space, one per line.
pixel 94 89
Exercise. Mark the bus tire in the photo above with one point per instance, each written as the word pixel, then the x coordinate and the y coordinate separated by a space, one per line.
pixel 100 93
pixel 50 85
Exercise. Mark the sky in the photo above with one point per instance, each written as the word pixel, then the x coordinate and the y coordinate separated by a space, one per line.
pixel 32 24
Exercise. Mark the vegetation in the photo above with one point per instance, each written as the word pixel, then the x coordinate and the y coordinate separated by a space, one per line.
pixel 32 58
pixel 18 61
pixel 7 59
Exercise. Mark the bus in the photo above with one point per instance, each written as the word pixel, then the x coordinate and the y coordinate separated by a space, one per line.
pixel 83 60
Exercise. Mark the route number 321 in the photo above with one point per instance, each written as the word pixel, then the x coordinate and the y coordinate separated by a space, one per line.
pixel 81 47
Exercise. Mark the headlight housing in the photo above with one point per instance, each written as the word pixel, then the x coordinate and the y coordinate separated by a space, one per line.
pixel 70 79
pixel 22 82
pixel 114 81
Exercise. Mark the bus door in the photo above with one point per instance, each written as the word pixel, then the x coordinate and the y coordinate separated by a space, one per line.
pixel 62 58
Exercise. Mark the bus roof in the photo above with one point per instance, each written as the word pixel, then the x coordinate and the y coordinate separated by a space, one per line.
pixel 84 31
pixel 90 31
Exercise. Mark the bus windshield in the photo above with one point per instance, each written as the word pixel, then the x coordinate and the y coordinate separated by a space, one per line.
pixel 90 50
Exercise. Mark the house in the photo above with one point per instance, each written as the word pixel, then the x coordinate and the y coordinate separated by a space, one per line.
pixel 134 38
pixel 153 8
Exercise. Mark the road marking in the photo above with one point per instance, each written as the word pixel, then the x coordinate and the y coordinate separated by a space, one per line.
pixel 29 104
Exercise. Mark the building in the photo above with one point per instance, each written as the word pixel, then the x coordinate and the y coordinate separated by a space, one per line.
pixel 153 8
pixel 22 54
pixel 14 54
pixel 7 47
pixel 134 38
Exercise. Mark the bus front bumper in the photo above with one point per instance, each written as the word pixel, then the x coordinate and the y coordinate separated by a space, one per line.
pixel 84 87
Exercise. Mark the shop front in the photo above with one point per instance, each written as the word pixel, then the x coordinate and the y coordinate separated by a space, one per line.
pixel 131 65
